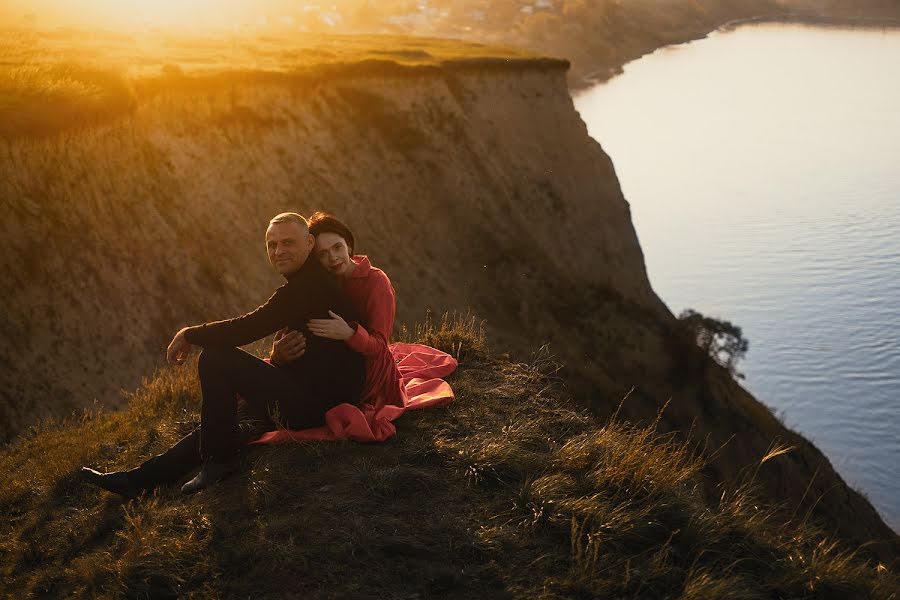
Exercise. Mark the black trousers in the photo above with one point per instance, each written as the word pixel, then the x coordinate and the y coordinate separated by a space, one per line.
pixel 270 395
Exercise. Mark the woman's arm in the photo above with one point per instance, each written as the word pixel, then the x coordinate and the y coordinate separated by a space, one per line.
pixel 373 338
pixel 379 315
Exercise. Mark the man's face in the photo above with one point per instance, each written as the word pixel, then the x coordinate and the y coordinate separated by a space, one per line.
pixel 288 245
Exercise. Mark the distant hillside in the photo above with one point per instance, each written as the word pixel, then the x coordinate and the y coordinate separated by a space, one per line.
pixel 511 492
pixel 472 182
pixel 600 36
pixel 597 36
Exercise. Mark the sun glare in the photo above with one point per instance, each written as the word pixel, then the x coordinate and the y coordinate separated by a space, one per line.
pixel 116 14
pixel 138 14
pixel 169 12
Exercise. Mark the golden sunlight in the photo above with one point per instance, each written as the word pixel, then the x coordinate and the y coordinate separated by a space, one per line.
pixel 138 14
pixel 165 12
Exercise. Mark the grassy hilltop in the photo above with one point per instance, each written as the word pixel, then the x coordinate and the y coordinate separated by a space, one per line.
pixel 510 492
pixel 53 80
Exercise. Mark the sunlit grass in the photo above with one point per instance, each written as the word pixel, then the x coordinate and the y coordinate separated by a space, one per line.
pixel 54 79
pixel 143 55
pixel 458 334
pixel 39 98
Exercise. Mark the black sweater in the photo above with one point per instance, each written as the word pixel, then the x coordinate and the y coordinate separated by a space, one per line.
pixel 328 365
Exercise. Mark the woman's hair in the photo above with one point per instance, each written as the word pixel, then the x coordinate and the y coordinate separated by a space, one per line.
pixel 322 222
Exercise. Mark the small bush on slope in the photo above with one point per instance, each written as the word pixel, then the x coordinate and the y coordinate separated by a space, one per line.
pixel 509 492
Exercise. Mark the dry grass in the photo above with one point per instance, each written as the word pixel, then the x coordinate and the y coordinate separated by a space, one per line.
pixel 53 80
pixel 458 334
pixel 40 98
pixel 511 491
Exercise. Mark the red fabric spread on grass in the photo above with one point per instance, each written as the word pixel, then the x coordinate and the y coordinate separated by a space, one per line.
pixel 421 368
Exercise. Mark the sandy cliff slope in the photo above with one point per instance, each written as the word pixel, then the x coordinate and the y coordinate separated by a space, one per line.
pixel 472 185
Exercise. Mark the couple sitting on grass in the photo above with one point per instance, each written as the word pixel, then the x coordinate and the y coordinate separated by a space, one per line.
pixel 331 374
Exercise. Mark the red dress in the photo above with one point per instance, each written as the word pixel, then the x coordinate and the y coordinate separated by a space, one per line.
pixel 399 377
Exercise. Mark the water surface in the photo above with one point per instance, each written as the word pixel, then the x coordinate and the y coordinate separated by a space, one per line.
pixel 763 170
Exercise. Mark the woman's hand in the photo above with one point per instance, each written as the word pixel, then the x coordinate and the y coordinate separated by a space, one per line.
pixel 334 328
pixel 288 346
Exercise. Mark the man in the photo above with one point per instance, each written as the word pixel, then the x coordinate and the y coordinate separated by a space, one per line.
pixel 300 392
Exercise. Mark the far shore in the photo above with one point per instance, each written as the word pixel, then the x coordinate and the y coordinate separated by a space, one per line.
pixel 604 74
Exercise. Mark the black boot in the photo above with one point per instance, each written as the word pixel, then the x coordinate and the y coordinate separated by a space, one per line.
pixel 117 482
pixel 211 472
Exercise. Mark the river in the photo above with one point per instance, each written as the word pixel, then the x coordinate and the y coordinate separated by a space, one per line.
pixel 762 165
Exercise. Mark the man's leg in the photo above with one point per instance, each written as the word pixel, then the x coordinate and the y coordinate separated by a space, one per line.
pixel 265 388
pixel 224 373
pixel 171 465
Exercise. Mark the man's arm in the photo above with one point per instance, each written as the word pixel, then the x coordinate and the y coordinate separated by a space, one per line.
pixel 178 350
pixel 288 346
pixel 255 325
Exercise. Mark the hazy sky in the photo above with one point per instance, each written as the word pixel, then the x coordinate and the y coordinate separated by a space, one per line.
pixel 137 13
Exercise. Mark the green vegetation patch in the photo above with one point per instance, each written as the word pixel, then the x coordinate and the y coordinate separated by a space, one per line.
pixel 511 491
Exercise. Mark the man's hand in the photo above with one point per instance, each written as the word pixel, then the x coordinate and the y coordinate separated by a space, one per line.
pixel 288 346
pixel 178 350
pixel 334 328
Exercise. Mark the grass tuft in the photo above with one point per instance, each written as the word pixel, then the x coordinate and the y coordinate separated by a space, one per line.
pixel 458 334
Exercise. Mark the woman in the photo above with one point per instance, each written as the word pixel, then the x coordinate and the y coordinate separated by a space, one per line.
pixel 371 293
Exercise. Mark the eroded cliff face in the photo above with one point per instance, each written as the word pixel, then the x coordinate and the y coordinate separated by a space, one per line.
pixel 472 187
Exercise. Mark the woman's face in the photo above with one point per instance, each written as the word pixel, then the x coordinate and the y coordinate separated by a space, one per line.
pixel 333 253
